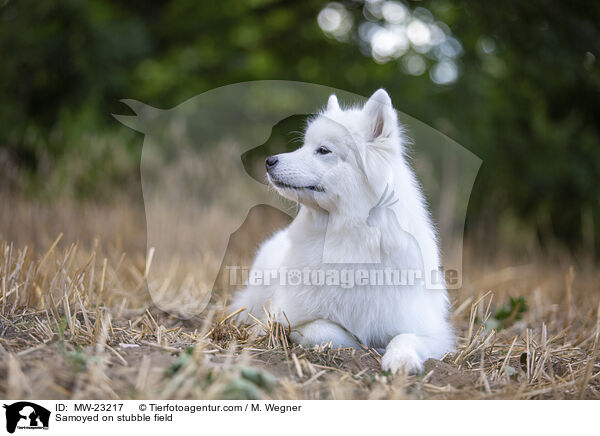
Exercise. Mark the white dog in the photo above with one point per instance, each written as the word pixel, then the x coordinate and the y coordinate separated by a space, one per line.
pixel 361 209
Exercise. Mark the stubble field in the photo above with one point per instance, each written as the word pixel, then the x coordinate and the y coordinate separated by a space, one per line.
pixel 77 322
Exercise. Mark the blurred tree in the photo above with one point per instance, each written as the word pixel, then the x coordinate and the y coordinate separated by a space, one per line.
pixel 518 84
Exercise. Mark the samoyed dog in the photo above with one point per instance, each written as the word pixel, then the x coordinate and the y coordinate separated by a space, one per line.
pixel 362 215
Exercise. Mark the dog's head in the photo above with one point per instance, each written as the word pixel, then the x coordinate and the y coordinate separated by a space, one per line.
pixel 346 160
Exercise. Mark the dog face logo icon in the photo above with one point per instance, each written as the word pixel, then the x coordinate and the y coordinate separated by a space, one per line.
pixel 26 415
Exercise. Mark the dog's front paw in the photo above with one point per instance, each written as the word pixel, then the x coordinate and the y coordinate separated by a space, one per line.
pixel 401 360
pixel 401 355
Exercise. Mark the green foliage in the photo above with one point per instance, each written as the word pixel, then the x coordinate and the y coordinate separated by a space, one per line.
pixel 184 359
pixel 260 378
pixel 243 383
pixel 77 358
pixel 507 314
pixel 525 100
pixel 62 327
pixel 250 385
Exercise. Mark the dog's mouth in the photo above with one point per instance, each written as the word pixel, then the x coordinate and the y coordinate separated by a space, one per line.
pixel 315 188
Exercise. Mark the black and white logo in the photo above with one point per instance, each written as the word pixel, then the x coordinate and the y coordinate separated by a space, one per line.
pixel 26 415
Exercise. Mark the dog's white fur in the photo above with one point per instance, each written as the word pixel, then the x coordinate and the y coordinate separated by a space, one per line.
pixel 338 220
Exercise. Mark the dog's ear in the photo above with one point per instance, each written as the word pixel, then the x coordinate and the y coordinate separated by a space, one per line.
pixel 381 117
pixel 332 103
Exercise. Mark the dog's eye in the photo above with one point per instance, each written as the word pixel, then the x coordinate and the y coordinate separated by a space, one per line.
pixel 323 150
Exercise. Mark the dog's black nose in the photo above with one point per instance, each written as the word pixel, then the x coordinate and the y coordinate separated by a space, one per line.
pixel 271 161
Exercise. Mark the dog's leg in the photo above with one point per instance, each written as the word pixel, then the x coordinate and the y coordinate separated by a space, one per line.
pixel 405 352
pixel 323 331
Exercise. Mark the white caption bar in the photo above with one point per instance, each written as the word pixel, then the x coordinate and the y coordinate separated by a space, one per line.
pixel 21 417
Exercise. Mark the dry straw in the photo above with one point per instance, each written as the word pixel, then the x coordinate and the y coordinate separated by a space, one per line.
pixel 78 322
